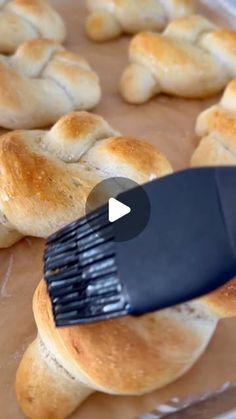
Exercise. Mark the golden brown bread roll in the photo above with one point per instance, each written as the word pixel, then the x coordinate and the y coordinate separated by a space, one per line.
pixel 22 20
pixel 46 175
pixel 217 128
pixel 192 58
pixel 128 356
pixel 41 82
pixel 62 367
pixel 108 19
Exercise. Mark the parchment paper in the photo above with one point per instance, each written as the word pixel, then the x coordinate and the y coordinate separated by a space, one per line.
pixel 169 124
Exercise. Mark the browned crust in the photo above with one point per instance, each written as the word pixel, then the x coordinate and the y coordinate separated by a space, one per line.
pixel 128 355
pixel 135 154
pixel 31 181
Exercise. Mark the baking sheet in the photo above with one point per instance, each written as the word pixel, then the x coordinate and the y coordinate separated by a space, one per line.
pixel 169 124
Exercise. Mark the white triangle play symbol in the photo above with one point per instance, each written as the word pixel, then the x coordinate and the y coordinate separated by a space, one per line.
pixel 117 210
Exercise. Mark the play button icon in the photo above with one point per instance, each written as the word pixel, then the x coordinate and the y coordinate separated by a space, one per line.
pixel 117 210
pixel 128 207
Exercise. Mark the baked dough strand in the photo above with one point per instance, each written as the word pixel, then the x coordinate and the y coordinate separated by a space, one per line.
pixel 43 81
pixel 22 20
pixel 193 58
pixel 46 176
pixel 216 126
pixel 108 19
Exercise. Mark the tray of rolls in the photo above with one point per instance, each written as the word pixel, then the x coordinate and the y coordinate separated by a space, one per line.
pixel 90 90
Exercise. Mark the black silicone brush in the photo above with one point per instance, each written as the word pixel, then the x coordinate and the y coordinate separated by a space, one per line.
pixel 187 249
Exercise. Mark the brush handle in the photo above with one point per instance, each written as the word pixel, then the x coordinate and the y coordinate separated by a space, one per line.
pixel 226 186
pixel 188 248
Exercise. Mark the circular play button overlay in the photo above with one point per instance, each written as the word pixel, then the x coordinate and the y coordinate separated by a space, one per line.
pixel 128 207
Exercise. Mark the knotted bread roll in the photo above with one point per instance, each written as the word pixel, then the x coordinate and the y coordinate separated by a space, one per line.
pixel 193 58
pixel 46 176
pixel 108 19
pixel 22 20
pixel 41 82
pixel 216 127
pixel 127 356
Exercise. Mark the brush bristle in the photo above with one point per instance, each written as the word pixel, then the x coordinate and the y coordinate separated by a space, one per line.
pixel 81 272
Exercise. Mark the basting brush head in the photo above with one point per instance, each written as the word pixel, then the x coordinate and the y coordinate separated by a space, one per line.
pixel 187 249
pixel 81 272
